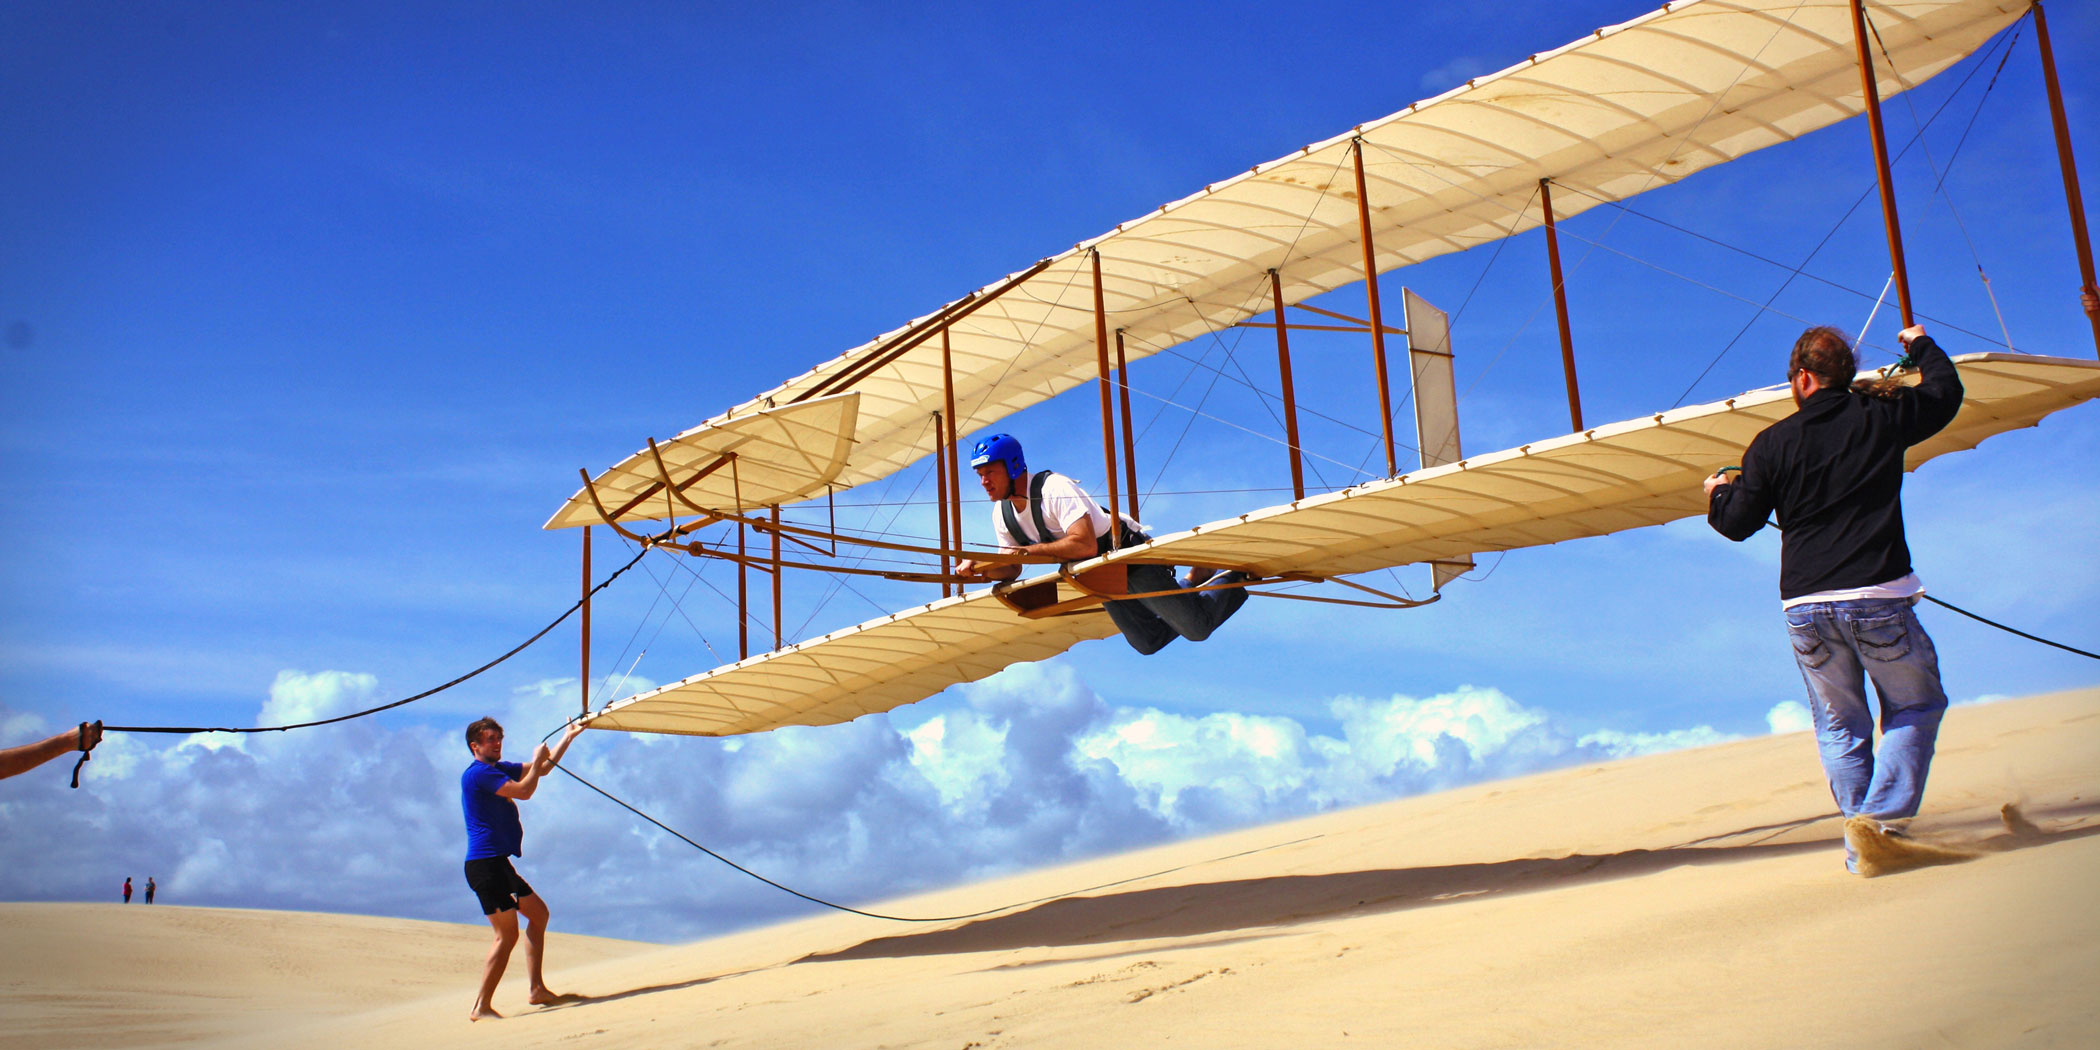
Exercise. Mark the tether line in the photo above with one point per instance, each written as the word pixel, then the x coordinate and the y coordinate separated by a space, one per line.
pixel 900 918
pixel 519 648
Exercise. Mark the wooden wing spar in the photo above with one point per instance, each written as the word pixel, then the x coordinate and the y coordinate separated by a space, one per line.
pixel 1639 472
pixel 1627 109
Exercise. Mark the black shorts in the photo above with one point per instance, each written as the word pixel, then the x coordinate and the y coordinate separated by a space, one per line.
pixel 496 883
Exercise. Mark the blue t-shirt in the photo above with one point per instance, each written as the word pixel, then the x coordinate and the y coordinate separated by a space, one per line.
pixel 493 829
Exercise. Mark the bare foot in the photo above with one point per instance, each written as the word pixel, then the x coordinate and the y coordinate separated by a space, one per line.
pixel 484 1013
pixel 543 997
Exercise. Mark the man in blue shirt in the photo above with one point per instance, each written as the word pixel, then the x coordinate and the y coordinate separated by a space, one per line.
pixel 488 794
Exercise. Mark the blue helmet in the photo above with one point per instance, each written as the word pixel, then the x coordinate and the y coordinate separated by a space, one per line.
pixel 1000 448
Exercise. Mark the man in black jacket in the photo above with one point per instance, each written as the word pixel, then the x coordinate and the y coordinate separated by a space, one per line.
pixel 1833 474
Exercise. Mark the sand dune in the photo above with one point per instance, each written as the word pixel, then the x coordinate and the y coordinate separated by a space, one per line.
pixel 1690 899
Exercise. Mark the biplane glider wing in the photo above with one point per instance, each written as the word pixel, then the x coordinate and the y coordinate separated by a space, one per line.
pixel 763 456
pixel 1624 475
pixel 1627 109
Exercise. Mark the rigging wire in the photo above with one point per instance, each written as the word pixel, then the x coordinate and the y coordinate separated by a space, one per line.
pixel 678 607
pixel 1221 421
pixel 1832 233
pixel 515 650
pixel 1940 181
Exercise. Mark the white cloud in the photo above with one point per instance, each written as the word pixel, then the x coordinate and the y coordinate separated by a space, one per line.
pixel 1025 768
pixel 1612 743
pixel 296 697
pixel 1789 716
pixel 21 727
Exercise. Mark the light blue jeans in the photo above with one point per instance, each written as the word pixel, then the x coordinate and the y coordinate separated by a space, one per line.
pixel 1838 643
pixel 1148 624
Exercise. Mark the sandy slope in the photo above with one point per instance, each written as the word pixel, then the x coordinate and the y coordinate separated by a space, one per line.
pixel 1688 899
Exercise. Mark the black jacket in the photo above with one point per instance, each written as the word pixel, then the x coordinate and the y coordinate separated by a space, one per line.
pixel 1833 472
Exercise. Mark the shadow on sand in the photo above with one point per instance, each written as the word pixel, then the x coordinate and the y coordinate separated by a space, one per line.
pixel 1240 904
pixel 568 1001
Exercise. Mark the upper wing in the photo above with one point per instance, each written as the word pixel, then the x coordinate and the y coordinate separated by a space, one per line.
pixel 1630 108
pixel 1640 472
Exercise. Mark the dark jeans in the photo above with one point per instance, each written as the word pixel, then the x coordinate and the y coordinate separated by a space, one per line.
pixel 1148 624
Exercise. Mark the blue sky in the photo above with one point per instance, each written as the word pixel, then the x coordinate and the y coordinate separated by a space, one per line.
pixel 311 317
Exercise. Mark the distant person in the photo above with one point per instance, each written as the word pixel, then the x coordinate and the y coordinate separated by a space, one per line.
pixel 127 889
pixel 1833 474
pixel 489 793
pixel 17 760
pixel 1049 515
pixel 149 889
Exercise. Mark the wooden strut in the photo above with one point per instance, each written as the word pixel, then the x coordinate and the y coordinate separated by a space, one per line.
pixel 1311 327
pixel 590 488
pixel 585 675
pixel 1108 416
pixel 1377 324
pixel 678 490
pixel 1290 398
pixel 1871 93
pixel 1560 308
pixel 777 642
pixel 954 509
pixel 791 530
pixel 1130 484
pixel 1310 308
pixel 701 550
pixel 941 452
pixel 721 461
pixel 1356 324
pixel 709 517
pixel 2080 240
pixel 743 604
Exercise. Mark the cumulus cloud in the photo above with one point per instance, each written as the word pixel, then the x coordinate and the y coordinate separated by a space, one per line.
pixel 1026 768
pixel 1789 716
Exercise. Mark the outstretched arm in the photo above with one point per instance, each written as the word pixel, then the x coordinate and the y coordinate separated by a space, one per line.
pixel 22 759
pixel 1077 544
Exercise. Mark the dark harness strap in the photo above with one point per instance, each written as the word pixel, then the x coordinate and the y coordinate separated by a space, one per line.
pixel 1035 512
pixel 1103 544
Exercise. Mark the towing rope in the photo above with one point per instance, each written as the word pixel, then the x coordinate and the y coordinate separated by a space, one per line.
pixel 896 918
pixel 2011 630
pixel 515 650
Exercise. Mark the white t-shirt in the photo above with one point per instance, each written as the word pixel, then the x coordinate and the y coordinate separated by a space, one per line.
pixel 1063 503
pixel 1905 586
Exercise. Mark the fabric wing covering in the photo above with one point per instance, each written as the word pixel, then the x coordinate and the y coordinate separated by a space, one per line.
pixel 1627 109
pixel 764 457
pixel 1624 475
